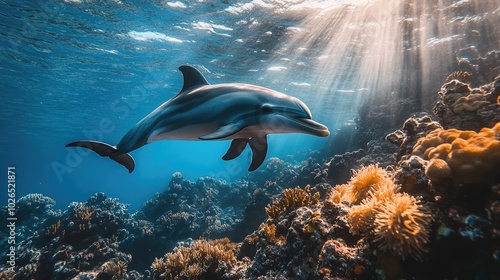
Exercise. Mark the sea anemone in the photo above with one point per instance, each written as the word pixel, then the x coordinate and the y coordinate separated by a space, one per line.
pixel 401 226
pixel 339 193
pixel 366 179
pixel 360 217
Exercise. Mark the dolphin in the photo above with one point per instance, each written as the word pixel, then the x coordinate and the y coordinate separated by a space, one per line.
pixel 243 113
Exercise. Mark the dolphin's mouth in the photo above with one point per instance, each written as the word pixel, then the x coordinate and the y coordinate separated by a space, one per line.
pixel 313 127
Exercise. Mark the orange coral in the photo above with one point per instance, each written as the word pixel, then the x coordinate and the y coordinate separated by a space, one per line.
pixel 465 156
pixel 339 194
pixel 365 179
pixel 360 217
pixel 437 170
pixel 401 226
pixel 369 179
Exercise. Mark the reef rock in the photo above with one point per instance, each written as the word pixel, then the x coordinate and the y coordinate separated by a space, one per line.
pixel 462 107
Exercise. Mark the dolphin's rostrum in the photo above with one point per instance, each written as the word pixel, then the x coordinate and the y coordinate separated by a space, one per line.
pixel 241 112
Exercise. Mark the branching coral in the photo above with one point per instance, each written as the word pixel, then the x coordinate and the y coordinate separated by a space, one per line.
pixel 270 234
pixel 201 259
pixel 465 156
pixel 84 217
pixel 401 226
pixel 290 200
pixel 114 269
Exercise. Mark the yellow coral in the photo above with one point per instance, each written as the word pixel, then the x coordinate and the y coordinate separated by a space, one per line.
pixel 470 157
pixel 290 200
pixel 401 226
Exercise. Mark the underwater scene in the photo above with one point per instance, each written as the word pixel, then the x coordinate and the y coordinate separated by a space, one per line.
pixel 250 139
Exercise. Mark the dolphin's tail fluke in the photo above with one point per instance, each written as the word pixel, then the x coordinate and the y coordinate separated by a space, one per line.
pixel 106 150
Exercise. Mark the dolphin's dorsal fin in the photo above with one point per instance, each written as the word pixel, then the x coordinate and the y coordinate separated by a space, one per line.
pixel 192 78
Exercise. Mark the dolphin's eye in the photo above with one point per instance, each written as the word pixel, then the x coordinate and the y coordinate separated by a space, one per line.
pixel 266 109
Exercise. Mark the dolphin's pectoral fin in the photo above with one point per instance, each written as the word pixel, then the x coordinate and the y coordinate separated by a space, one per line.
pixel 223 131
pixel 236 148
pixel 259 151
pixel 106 150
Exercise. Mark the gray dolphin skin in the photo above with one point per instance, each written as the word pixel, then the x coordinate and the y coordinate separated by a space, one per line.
pixel 243 113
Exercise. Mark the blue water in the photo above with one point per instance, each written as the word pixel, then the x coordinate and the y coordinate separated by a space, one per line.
pixel 73 70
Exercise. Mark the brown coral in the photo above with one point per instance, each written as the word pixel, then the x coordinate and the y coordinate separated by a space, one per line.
pixel 290 200
pixel 462 107
pixel 201 258
pixel 469 103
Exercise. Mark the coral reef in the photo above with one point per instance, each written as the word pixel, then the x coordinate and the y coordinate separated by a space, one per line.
pixel 306 243
pixel 422 203
pixel 77 245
